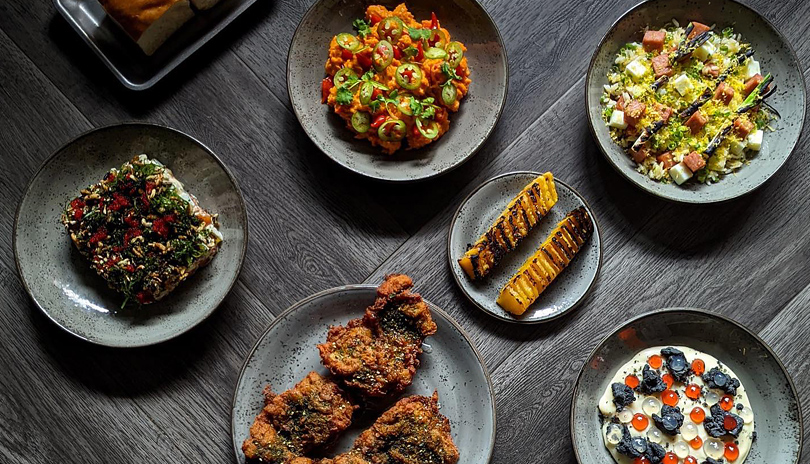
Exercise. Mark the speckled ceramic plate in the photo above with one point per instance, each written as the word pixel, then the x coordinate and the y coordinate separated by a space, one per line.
pixel 773 52
pixel 770 389
pixel 450 365
pixel 478 212
pixel 61 282
pixel 467 22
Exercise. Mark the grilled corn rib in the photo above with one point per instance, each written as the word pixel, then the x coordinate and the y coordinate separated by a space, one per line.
pixel 547 263
pixel 514 223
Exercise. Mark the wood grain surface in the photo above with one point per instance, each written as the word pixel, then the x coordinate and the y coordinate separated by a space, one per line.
pixel 314 225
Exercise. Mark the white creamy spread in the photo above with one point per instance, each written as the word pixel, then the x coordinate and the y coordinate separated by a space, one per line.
pixel 683 444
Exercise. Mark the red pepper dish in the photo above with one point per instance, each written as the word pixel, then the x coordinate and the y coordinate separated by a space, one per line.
pixel 142 232
pixel 397 80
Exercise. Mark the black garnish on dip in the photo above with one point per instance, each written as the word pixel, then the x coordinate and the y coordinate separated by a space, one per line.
pixel 716 378
pixel 622 394
pixel 676 363
pixel 655 453
pixel 740 406
pixel 714 424
pixel 635 447
pixel 651 382
pixel 712 461
pixel 670 420
pixel 631 447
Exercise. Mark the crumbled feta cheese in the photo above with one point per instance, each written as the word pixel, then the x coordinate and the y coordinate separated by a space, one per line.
pixel 617 120
pixel 680 173
pixel 732 45
pixel 705 51
pixel 737 147
pixel 636 70
pixel 751 68
pixel 636 90
pixel 682 84
pixel 755 140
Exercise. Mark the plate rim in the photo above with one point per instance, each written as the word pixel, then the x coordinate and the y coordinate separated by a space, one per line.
pixel 634 180
pixel 90 132
pixel 165 70
pixel 701 312
pixel 347 288
pixel 431 175
pixel 469 297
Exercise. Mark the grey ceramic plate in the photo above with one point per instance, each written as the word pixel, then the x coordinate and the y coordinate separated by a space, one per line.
pixel 769 387
pixel 60 280
pixel 467 22
pixel 773 52
pixel 478 212
pixel 123 57
pixel 450 365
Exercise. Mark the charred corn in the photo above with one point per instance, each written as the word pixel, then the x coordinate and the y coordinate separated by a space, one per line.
pixel 522 213
pixel 547 263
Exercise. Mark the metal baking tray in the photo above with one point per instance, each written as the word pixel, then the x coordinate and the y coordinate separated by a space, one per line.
pixel 123 56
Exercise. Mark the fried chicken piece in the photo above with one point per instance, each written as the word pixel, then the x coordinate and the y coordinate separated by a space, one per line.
pixel 311 414
pixel 410 432
pixel 378 354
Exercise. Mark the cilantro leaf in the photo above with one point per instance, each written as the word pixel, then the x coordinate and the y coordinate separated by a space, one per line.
pixel 363 28
pixel 344 96
pixel 419 34
pixel 449 72
pixel 411 51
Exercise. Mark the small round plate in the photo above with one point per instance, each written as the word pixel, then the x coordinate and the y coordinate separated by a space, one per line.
pixel 769 387
pixel 467 21
pixel 774 53
pixel 60 280
pixel 450 365
pixel 480 210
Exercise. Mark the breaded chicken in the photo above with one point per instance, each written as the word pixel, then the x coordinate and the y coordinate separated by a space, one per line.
pixel 301 419
pixel 410 432
pixel 378 354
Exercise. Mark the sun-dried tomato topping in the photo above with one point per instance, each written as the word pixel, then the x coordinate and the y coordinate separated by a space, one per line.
pixel 130 234
pixel 100 235
pixel 119 202
pixel 161 226
pixel 77 203
pixel 143 297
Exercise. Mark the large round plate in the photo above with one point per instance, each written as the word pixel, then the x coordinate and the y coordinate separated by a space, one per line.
pixel 478 212
pixel 61 282
pixel 769 387
pixel 450 365
pixel 772 51
pixel 467 22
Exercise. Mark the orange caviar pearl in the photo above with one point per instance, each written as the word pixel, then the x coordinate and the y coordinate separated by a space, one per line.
pixel 690 460
pixel 670 458
pixel 697 415
pixel 696 443
pixel 631 381
pixel 726 402
pixel 655 361
pixel 640 422
pixel 669 397
pixel 731 452
pixel 698 367
pixel 668 379
pixel 729 423
pixel 692 391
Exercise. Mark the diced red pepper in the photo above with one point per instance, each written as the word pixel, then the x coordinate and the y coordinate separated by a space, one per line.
pixel 77 203
pixel 694 161
pixel 379 120
pixel 460 71
pixel 346 54
pixel 326 86
pixel 420 53
pixel 97 237
pixel 119 202
pixel 415 131
pixel 397 53
pixel 130 234
pixel 131 221
pixel 129 268
pixel 364 59
pixel 434 21
pixel 375 19
pixel 161 226
pixel 376 93
pixel 143 297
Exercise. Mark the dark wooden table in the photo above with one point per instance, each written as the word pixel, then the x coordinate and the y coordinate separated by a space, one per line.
pixel 315 225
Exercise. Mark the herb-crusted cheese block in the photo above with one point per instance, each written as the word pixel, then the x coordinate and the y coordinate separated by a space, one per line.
pixel 141 230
